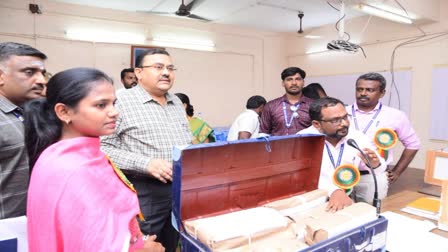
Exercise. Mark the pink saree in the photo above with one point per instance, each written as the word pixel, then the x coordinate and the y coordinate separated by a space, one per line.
pixel 76 202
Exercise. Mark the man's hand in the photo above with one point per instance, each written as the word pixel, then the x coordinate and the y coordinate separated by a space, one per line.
pixel 338 200
pixel 161 170
pixel 374 159
pixel 392 176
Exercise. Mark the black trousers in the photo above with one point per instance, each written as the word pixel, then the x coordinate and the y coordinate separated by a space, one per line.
pixel 155 204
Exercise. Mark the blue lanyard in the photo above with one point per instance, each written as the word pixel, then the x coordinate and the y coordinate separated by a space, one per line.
pixel 18 115
pixel 341 151
pixel 371 120
pixel 285 115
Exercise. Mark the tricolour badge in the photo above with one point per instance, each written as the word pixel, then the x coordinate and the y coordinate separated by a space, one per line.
pixel 346 176
pixel 385 139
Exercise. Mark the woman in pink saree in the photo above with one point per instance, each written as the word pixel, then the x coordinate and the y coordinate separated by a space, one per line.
pixel 77 199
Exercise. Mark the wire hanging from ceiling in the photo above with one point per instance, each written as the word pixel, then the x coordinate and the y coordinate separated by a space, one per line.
pixel 392 59
pixel 342 44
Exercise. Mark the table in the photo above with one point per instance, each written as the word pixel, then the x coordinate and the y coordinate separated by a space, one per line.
pixel 399 200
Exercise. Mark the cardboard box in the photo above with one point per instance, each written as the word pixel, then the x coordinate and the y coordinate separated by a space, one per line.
pixel 216 179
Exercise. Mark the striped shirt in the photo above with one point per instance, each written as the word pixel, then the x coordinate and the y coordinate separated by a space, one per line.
pixel 145 130
pixel 14 168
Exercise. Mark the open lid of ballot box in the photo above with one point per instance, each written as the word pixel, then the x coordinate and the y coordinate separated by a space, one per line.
pixel 213 179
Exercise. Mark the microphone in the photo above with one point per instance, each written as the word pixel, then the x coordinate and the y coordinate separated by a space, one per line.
pixel 376 201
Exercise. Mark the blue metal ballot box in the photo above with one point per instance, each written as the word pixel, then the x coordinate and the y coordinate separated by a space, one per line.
pixel 218 178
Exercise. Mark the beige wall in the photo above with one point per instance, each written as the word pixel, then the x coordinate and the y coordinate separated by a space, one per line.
pixel 379 39
pixel 246 62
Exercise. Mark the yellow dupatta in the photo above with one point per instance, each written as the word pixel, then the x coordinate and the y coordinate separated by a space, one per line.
pixel 200 130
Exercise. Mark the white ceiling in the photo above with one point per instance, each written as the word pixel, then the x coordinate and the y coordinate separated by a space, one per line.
pixel 269 15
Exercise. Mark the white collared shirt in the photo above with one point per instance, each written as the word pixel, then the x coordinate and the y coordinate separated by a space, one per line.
pixel 349 156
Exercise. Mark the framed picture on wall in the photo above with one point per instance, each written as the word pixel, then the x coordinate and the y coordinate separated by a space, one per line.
pixel 137 50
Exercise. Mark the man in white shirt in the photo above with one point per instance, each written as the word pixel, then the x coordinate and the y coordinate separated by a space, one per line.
pixel 329 117
pixel 247 124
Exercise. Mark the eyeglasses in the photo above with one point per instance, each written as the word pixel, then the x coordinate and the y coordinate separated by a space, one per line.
pixel 159 67
pixel 337 120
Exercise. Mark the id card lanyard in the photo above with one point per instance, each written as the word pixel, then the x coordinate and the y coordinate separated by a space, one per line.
pixel 341 151
pixel 295 114
pixel 371 120
pixel 18 115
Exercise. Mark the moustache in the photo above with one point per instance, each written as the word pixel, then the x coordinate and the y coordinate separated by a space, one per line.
pixel 343 128
pixel 37 88
pixel 338 132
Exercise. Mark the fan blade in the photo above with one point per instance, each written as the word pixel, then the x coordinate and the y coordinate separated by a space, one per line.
pixel 194 4
pixel 157 12
pixel 198 17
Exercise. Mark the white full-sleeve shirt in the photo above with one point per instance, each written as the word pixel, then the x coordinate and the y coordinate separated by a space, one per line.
pixel 349 155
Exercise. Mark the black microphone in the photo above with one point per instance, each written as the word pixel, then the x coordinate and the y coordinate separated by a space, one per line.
pixel 376 201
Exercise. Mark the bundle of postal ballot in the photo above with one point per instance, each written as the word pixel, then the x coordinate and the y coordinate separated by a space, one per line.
pixel 285 225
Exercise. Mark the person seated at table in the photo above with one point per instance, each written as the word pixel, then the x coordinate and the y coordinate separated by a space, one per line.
pixel 201 131
pixel 77 199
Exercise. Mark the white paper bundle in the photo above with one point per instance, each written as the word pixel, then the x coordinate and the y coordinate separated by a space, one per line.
pixel 238 228
pixel 299 203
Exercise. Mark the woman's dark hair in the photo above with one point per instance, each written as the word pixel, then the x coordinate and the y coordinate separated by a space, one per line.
pixel 184 99
pixel 69 87
pixel 312 91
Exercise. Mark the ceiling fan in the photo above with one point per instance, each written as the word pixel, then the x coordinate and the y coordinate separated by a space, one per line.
pixel 184 11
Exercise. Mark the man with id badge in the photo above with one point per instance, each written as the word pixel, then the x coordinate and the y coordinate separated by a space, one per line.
pixel 330 118
pixel 383 125
pixel 288 114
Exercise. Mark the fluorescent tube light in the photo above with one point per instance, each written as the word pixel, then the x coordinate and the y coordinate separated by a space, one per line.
pixel 398 11
pixel 312 36
pixel 105 36
pixel 372 10
pixel 314 51
pixel 194 44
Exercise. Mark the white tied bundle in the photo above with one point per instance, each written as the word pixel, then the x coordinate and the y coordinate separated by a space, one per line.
pixel 236 229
